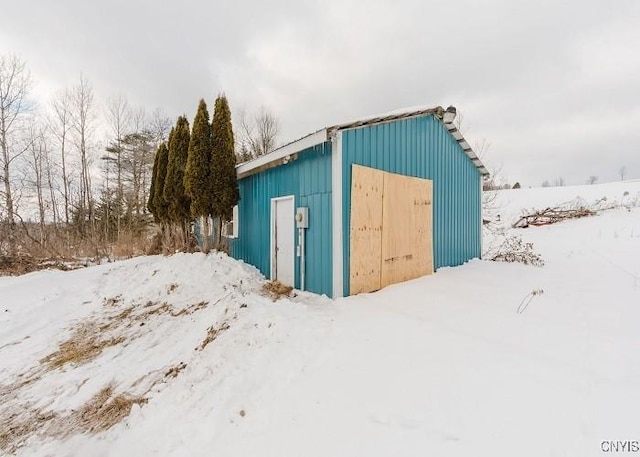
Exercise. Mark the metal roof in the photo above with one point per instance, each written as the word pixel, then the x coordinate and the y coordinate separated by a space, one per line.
pixel 283 154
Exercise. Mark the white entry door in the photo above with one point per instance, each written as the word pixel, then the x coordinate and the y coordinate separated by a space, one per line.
pixel 283 240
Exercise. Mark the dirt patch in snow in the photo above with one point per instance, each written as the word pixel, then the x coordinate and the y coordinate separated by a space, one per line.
pixel 85 344
pixel 212 334
pixel 102 412
pixel 175 370
pixel 112 301
pixel 18 424
pixel 190 309
pixel 117 322
pixel 276 290
pixel 18 420
pixel 90 338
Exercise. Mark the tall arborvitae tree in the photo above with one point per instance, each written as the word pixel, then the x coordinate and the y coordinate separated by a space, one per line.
pixel 197 177
pixel 154 175
pixel 174 192
pixel 159 203
pixel 223 164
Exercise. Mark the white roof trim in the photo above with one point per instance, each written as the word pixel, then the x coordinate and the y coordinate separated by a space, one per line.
pixel 467 149
pixel 282 153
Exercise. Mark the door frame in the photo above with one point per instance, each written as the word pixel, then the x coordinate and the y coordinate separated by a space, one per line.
pixel 272 248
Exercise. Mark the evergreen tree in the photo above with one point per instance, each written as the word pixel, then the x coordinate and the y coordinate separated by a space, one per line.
pixel 243 155
pixel 197 178
pixel 159 203
pixel 223 164
pixel 154 175
pixel 174 193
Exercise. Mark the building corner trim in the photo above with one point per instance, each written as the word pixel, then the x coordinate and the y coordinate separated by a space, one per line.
pixel 336 197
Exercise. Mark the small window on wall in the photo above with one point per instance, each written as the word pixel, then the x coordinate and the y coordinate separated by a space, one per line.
pixel 230 229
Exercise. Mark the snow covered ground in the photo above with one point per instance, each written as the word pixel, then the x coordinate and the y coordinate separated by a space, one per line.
pixel 442 365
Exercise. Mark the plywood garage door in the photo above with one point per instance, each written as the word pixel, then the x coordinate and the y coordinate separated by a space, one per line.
pixel 366 229
pixel 407 250
pixel 391 229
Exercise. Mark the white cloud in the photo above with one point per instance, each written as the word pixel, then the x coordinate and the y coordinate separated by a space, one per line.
pixel 552 85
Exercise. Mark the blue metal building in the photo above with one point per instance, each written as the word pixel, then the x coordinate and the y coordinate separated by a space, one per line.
pixel 293 219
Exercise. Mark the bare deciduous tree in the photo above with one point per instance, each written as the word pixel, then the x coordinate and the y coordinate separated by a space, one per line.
pixel 592 179
pixel 622 172
pixel 83 117
pixel 159 125
pixel 258 132
pixel 492 183
pixel 119 119
pixel 36 172
pixel 461 123
pixel 268 129
pixel 559 182
pixel 60 125
pixel 46 161
pixel 51 185
pixel 15 82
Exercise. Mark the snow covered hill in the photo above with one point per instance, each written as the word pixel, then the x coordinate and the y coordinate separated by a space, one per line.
pixel 187 356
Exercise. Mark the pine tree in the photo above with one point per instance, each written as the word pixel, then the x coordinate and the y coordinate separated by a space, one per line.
pixel 197 178
pixel 150 206
pixel 223 164
pixel 174 192
pixel 159 203
pixel 243 155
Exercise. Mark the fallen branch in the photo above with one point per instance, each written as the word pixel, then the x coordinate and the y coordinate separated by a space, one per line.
pixel 552 216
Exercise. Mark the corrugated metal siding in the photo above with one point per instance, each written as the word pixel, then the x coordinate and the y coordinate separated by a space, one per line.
pixel 421 147
pixel 309 180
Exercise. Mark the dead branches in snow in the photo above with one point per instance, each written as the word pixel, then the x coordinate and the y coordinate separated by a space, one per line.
pixel 526 300
pixel 513 249
pixel 574 209
pixel 551 216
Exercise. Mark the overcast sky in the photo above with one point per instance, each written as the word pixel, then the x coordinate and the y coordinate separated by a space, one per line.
pixel 553 86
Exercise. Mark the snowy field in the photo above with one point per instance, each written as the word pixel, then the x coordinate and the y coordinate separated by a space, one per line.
pixel 186 356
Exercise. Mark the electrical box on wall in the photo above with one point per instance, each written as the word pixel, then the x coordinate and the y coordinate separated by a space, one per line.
pixel 302 217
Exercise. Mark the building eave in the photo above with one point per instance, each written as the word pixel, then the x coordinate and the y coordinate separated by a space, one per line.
pixel 282 155
pixel 468 150
pixel 288 152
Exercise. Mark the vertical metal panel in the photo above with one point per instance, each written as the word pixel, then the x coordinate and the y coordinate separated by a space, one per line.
pixel 421 147
pixel 309 179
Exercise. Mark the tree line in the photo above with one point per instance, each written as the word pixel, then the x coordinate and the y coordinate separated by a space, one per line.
pixel 83 178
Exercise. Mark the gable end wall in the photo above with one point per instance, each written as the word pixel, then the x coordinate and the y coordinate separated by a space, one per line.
pixel 421 147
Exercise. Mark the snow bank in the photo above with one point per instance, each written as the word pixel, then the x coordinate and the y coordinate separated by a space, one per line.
pixel 511 204
pixel 442 365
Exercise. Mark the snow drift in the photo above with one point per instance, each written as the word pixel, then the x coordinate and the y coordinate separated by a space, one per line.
pixel 185 355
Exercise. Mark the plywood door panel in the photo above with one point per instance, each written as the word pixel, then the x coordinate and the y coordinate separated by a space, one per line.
pixel 407 250
pixel 366 229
